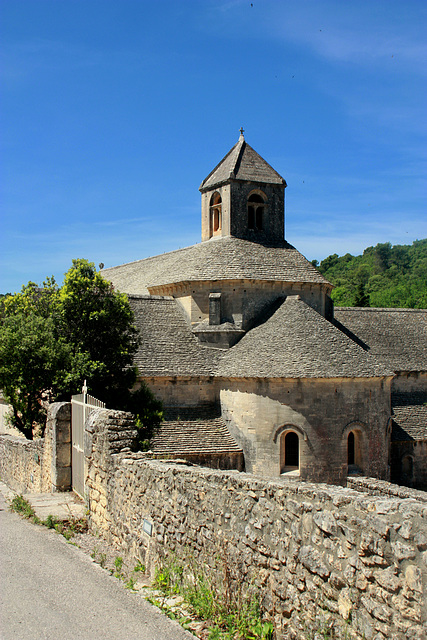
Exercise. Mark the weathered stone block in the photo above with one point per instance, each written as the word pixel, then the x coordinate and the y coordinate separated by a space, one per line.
pixel 62 479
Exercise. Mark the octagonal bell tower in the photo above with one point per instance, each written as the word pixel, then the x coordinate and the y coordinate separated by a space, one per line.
pixel 244 197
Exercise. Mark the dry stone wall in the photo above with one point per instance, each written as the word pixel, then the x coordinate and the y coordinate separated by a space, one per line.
pixel 44 464
pixel 23 466
pixel 320 553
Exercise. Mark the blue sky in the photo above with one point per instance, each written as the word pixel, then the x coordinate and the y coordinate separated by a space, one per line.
pixel 113 112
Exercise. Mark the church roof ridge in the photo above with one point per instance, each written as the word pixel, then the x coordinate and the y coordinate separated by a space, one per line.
pixel 242 162
pixel 225 258
pixel 382 309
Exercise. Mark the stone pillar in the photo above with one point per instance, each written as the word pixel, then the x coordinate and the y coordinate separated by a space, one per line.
pixel 59 425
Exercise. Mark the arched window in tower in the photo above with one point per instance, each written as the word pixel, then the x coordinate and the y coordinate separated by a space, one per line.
pixel 215 213
pixel 256 212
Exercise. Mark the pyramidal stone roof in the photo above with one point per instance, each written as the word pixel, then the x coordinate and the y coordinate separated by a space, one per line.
pixel 226 258
pixel 242 163
pixel 397 337
pixel 297 342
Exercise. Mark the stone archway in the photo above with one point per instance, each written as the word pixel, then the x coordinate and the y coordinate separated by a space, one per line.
pixel 289 451
pixel 354 446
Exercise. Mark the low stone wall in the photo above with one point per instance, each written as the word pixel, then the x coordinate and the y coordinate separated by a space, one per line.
pixel 318 552
pixel 22 465
pixel 376 487
pixel 4 413
pixel 41 465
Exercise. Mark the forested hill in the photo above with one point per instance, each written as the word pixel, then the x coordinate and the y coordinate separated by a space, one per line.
pixel 384 276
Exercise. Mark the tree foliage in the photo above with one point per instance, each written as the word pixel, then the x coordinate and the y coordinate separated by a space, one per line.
pixel 384 276
pixel 52 338
pixel 97 321
pixel 31 361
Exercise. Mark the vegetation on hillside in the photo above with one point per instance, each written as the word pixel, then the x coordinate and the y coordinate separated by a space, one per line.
pixel 384 276
pixel 53 338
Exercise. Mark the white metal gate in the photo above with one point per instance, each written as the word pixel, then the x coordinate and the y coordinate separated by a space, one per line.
pixel 81 406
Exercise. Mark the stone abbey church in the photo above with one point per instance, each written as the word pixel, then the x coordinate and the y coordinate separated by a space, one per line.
pixel 255 368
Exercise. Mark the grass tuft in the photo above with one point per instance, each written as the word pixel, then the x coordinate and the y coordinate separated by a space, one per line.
pixel 20 505
pixel 67 528
pixel 217 593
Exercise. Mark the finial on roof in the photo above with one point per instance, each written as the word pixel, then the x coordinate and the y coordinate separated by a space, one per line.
pixel 242 137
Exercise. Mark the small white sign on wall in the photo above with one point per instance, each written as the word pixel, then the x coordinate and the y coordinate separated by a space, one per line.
pixel 147 527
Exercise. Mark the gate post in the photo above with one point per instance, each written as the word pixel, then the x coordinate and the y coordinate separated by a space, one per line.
pixel 59 427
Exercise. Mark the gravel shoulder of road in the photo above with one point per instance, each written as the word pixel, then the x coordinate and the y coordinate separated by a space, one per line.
pixel 106 554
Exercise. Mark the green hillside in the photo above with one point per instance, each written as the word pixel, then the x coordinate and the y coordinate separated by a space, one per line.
pixel 384 276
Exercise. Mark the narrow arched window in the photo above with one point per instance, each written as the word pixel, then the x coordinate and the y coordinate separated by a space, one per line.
pixel 289 452
pixel 215 213
pixel 354 448
pixel 291 449
pixel 256 212
pixel 350 449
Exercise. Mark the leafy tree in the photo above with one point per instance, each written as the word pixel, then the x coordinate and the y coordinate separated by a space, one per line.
pixel 361 298
pixel 148 412
pixel 328 262
pixel 32 359
pixel 52 338
pixel 98 321
pixel 382 255
pixel 384 276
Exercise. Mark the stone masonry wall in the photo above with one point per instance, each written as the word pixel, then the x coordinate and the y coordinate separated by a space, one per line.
pixel 322 412
pixel 41 465
pixel 318 551
pixel 22 464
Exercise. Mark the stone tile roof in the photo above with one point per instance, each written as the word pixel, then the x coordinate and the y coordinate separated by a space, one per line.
pixel 409 416
pixel 199 430
pixel 398 337
pixel 297 342
pixel 225 258
pixel 168 347
pixel 242 163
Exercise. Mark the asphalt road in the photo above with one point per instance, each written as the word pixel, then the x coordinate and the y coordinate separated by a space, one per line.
pixel 51 590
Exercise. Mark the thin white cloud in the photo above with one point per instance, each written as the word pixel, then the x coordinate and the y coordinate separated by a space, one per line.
pixel 352 33
pixel 229 4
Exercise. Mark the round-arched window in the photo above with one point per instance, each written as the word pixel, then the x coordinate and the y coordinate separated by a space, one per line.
pixel 256 212
pixel 215 213
pixel 289 451
pixel 355 450
pixel 351 449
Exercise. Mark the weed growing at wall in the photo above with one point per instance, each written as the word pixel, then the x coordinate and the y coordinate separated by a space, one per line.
pixel 118 565
pixel 68 528
pixel 219 594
